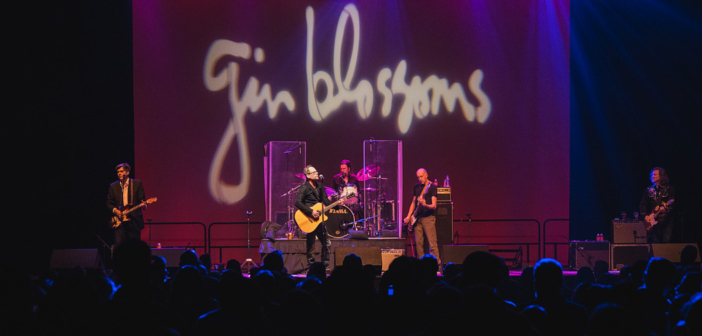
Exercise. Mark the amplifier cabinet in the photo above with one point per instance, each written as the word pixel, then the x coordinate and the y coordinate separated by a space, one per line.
pixel 628 232
pixel 628 254
pixel 585 253
pixel 388 255
pixel 443 194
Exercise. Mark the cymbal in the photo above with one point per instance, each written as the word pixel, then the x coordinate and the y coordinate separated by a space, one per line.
pixel 369 189
pixel 329 191
pixel 367 172
pixel 300 175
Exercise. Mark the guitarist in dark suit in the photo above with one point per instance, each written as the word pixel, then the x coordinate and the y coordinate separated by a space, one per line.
pixel 425 219
pixel 309 194
pixel 655 198
pixel 123 192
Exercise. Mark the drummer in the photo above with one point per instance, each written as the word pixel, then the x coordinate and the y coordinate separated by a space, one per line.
pixel 345 180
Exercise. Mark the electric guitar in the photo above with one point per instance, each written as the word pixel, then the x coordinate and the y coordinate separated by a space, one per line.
pixel 308 223
pixel 652 217
pixel 115 222
pixel 413 218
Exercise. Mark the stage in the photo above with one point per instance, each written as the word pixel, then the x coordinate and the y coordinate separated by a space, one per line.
pixel 294 250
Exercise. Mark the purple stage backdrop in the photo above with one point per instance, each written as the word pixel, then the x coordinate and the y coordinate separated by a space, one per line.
pixel 478 90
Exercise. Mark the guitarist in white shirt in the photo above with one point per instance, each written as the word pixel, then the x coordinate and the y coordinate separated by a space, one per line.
pixel 122 192
pixel 424 202
pixel 309 194
pixel 657 204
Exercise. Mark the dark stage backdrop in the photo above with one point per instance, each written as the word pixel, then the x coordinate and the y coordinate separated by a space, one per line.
pixel 477 90
pixel 635 105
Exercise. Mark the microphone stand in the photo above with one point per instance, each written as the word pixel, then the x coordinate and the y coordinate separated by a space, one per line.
pixel 106 246
pixel 248 242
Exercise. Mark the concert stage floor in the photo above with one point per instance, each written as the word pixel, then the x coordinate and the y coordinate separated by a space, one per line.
pixel 295 250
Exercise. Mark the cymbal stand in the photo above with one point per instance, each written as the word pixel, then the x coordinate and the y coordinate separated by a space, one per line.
pixel 248 242
pixel 290 225
pixel 380 203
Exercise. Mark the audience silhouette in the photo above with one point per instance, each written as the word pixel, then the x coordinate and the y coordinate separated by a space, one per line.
pixel 477 297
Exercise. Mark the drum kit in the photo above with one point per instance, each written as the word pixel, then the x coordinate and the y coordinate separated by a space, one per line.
pixel 347 216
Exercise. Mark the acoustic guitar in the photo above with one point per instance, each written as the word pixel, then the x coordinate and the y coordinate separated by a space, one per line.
pixel 115 222
pixel 308 223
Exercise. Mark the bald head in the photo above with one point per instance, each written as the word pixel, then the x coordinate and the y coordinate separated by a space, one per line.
pixel 422 176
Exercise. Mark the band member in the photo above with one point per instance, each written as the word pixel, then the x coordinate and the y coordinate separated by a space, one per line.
pixel 345 176
pixel 425 219
pixel 346 179
pixel 309 194
pixel 657 198
pixel 123 192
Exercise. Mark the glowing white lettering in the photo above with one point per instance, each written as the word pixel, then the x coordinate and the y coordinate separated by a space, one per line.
pixel 417 101
pixel 362 94
pixel 252 99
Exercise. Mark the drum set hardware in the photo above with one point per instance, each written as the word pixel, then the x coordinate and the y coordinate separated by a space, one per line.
pixel 368 172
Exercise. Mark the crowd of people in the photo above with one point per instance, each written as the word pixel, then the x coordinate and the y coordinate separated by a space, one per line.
pixel 140 297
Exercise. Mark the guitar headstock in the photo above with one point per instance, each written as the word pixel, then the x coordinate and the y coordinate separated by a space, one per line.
pixel 151 200
pixel 352 194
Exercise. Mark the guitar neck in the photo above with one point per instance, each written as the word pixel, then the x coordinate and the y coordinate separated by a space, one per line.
pixel 416 205
pixel 132 209
pixel 326 208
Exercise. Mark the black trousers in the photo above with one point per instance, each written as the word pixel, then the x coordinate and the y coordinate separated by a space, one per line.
pixel 128 230
pixel 662 232
pixel 320 233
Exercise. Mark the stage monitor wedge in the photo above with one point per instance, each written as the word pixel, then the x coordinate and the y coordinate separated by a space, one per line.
pixel 457 253
pixel 71 258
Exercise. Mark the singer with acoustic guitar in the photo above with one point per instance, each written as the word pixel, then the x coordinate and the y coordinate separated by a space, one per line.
pixel 311 193
pixel 123 194
pixel 656 205
pixel 420 217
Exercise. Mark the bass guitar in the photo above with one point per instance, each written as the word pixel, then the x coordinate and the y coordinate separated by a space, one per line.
pixel 413 218
pixel 652 217
pixel 308 223
pixel 116 221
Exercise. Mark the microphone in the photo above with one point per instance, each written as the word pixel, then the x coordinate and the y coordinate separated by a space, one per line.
pixel 321 177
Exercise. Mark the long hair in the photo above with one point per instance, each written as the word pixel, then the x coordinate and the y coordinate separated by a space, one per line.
pixel 662 175
pixel 348 164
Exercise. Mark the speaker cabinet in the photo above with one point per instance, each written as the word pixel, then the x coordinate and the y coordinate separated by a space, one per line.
pixel 172 255
pixel 388 255
pixel 457 253
pixel 369 255
pixel 627 255
pixel 628 232
pixel 585 253
pixel 85 258
pixel 671 251
pixel 444 226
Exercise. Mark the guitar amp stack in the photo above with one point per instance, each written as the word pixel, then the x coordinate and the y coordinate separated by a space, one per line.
pixel 444 218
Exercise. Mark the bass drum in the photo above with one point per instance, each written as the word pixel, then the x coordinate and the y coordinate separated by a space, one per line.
pixel 337 220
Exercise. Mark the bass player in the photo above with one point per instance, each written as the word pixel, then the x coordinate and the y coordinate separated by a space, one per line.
pixel 309 194
pixel 420 217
